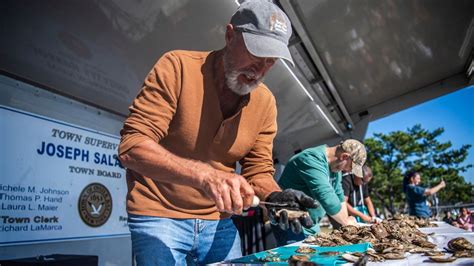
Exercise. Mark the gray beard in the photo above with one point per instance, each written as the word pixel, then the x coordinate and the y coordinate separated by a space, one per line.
pixel 231 79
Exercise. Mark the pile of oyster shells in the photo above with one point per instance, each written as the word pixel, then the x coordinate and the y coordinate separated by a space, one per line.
pixel 391 239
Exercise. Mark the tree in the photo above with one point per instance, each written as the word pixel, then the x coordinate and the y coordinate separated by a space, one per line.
pixel 391 155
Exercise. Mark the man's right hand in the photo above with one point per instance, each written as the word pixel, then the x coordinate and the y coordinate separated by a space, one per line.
pixel 230 191
pixel 342 216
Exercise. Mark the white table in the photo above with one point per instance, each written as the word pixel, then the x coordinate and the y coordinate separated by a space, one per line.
pixel 442 234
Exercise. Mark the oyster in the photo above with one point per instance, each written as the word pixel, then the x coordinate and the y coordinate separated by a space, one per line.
pixel 300 260
pixel 394 256
pixel 434 253
pixel 423 243
pixel 370 240
pixel 464 254
pixel 292 214
pixel 310 239
pixel 330 253
pixel 459 244
pixel 424 222
pixel 380 247
pixel 300 257
pixel 349 257
pixel 398 217
pixel 393 250
pixel 353 238
pixel 374 256
pixel 350 229
pixel 390 239
pixel 379 231
pixel 443 258
pixel 358 254
pixel 305 250
pixel 270 258
pixel 323 240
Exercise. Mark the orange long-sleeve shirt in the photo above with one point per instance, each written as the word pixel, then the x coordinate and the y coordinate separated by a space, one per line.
pixel 178 107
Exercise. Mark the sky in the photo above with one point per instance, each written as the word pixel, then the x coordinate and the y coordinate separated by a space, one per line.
pixel 454 112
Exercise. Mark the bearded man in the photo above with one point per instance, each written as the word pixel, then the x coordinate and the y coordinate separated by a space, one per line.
pixel 196 116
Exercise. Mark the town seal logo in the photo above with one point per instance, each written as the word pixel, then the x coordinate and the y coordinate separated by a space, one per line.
pixel 95 204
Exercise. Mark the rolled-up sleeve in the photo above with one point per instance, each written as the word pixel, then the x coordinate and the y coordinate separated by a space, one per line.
pixel 154 107
pixel 311 171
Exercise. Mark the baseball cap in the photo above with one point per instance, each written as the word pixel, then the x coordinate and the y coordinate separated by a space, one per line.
pixel 358 155
pixel 265 28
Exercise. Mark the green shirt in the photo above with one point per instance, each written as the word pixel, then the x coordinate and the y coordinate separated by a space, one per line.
pixel 308 171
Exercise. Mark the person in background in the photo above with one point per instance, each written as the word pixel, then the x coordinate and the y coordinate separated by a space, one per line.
pixel 357 198
pixel 416 195
pixel 448 218
pixel 454 214
pixel 197 115
pixel 465 219
pixel 317 172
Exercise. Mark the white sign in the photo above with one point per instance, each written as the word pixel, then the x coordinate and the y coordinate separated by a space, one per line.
pixel 58 181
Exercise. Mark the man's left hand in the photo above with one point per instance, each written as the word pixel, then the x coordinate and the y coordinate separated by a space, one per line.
pixel 294 200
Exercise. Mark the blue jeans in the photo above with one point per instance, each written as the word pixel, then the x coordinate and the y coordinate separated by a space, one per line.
pixel 166 241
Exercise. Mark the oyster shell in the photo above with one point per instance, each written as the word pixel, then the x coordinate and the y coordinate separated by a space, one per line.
pixel 434 253
pixel 330 253
pixel 443 258
pixel 423 243
pixel 394 256
pixel 270 258
pixel 292 214
pixel 464 254
pixel 305 250
pixel 374 256
pixel 350 229
pixel 459 244
pixel 379 231
pixel 300 260
pixel 390 239
pixel 349 257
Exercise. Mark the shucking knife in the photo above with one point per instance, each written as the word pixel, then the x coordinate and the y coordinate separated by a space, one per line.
pixel 256 201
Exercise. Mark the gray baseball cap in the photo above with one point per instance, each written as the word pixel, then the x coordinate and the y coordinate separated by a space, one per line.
pixel 265 28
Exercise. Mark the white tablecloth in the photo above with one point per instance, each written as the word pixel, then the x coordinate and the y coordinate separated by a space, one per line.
pixel 442 234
